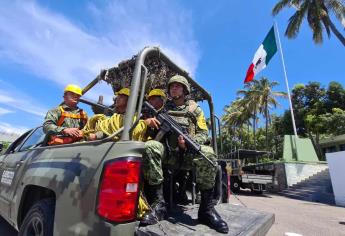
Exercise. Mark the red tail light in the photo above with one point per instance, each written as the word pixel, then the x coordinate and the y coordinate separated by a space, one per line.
pixel 118 194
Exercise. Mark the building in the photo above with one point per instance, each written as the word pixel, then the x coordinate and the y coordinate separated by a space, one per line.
pixel 333 144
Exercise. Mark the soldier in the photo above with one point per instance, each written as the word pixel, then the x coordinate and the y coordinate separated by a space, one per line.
pixel 156 98
pixel 190 116
pixel 67 119
pixel 108 126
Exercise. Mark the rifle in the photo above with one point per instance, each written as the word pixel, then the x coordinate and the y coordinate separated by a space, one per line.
pixel 168 124
pixel 98 107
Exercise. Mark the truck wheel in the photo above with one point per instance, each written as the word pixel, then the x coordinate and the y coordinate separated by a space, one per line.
pixel 235 185
pixel 39 221
pixel 258 192
pixel 224 187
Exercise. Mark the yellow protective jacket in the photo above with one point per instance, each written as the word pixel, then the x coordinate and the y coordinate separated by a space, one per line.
pixel 104 126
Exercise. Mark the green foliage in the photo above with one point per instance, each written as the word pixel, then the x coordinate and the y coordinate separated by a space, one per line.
pixel 5 146
pixel 319 112
pixel 318 15
pixel 242 115
pixel 329 124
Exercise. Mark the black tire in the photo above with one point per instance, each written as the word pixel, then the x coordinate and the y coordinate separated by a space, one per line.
pixel 225 193
pixel 235 184
pixel 224 186
pixel 258 192
pixel 39 221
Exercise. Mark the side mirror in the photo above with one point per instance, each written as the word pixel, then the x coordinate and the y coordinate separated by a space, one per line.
pixel 1 146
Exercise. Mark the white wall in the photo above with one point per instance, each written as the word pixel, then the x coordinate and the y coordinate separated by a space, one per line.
pixel 336 163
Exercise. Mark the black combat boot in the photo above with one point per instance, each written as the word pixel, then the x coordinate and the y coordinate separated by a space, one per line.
pixel 182 179
pixel 207 215
pixel 154 194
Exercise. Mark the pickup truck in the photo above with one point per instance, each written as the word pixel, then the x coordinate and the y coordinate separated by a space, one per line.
pixel 85 188
pixel 92 187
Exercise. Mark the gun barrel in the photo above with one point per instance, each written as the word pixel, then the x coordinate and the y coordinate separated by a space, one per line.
pixel 91 103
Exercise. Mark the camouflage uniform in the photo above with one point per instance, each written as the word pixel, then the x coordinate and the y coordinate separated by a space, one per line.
pixel 194 121
pixel 51 126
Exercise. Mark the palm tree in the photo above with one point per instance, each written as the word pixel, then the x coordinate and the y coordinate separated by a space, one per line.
pixel 258 97
pixel 235 117
pixel 317 13
pixel 249 103
pixel 267 99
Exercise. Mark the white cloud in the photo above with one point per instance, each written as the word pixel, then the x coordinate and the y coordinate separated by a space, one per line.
pixel 8 128
pixel 51 46
pixel 12 97
pixel 4 111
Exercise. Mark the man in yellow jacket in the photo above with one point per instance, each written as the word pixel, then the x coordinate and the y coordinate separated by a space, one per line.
pixel 104 126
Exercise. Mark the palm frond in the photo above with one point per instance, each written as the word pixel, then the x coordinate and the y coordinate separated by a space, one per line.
pixel 279 6
pixel 327 27
pixel 337 7
pixel 295 21
pixel 314 20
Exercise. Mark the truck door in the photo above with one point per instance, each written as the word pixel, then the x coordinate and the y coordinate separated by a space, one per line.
pixel 13 162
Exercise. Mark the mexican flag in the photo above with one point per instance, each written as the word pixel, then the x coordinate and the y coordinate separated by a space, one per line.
pixel 262 56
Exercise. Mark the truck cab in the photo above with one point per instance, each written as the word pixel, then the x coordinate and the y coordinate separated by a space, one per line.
pixel 246 172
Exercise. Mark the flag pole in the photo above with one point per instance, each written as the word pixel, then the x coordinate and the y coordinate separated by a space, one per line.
pixel 286 80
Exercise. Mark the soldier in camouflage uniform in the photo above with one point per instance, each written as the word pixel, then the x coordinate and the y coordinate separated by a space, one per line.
pixel 177 156
pixel 67 119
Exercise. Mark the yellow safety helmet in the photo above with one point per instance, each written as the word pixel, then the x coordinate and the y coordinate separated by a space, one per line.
pixel 123 91
pixel 156 92
pixel 74 89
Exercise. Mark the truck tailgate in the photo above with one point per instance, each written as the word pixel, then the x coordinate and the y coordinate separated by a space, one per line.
pixel 241 221
pixel 258 179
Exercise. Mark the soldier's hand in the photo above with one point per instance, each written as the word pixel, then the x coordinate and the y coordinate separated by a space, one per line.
pixel 73 132
pixel 152 122
pixel 182 143
pixel 92 137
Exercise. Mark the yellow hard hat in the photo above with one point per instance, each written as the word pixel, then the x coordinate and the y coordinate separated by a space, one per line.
pixel 74 89
pixel 156 92
pixel 123 91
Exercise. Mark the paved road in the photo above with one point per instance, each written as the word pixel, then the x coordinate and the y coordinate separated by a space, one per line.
pixel 292 217
pixel 295 217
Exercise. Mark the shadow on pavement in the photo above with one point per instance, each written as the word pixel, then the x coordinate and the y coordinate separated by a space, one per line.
pixel 249 193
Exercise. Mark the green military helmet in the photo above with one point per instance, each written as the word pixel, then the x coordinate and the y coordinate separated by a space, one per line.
pixel 180 79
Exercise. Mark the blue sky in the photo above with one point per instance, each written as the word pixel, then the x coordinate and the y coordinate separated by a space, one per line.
pixel 45 45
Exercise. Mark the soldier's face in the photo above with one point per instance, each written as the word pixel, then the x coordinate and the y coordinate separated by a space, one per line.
pixel 176 90
pixel 156 101
pixel 71 99
pixel 121 103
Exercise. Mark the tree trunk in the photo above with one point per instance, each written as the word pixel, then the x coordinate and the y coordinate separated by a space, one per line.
pixel 314 144
pixel 254 127
pixel 335 31
pixel 266 115
pixel 318 148
pixel 248 143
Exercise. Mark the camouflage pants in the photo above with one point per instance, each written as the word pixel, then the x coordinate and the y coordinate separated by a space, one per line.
pixel 152 162
pixel 155 158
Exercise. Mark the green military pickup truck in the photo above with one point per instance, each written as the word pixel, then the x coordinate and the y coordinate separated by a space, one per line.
pixel 92 188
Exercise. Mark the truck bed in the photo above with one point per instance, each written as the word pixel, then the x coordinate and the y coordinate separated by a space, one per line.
pixel 183 221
